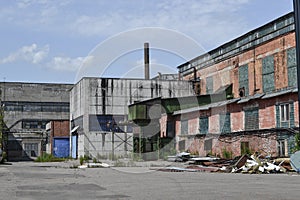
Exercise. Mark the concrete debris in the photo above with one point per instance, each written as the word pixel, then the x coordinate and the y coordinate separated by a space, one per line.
pixel 180 157
pixel 244 164
pixel 93 165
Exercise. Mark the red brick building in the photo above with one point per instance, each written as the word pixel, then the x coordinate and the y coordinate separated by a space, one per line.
pixel 246 97
pixel 262 114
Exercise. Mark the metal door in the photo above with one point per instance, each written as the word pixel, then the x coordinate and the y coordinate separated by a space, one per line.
pixel 61 147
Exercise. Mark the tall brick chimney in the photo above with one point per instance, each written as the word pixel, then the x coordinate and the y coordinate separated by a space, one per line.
pixel 146 61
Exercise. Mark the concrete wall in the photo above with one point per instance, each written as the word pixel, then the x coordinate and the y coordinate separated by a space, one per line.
pixel 31 95
pixel 108 96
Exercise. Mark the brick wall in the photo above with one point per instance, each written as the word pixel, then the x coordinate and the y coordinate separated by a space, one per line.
pixel 60 128
pixel 265 144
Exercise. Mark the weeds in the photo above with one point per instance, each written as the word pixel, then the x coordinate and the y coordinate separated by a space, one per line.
pixel 49 158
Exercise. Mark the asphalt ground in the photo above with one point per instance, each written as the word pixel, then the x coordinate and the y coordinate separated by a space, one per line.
pixel 29 180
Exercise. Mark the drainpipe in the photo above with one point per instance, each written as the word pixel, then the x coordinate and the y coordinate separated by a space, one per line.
pixel 297 35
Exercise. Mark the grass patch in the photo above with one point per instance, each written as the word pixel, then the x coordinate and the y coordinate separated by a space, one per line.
pixel 49 158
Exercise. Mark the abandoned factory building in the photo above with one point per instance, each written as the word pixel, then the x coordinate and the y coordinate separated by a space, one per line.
pixel 239 97
pixel 258 111
pixel 27 108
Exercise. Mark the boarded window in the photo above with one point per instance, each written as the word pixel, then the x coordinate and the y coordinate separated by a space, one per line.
pixel 225 123
pixel 209 85
pixel 292 67
pixel 203 124
pixel 243 79
pixel 184 127
pixel 251 119
pixel 268 73
pixel 181 145
pixel 208 145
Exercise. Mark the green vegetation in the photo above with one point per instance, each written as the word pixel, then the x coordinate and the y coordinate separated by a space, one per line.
pixel 297 143
pixel 83 159
pixel 227 154
pixel 49 158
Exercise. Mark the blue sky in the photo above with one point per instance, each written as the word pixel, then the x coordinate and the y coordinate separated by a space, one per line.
pixel 52 41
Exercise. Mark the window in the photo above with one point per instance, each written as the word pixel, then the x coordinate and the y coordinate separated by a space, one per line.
pixel 31 149
pixel 184 127
pixel 34 124
pixel 170 129
pixel 284 112
pixel 243 80
pixel 203 125
pixel 36 106
pixel 245 148
pixel 281 144
pixel 268 73
pixel 225 123
pixel 285 115
pixel 100 123
pixel 251 118
pixel 292 67
pixel 209 85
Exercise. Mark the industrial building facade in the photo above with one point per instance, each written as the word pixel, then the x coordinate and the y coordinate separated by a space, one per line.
pixel 239 97
pixel 99 110
pixel 263 115
pixel 258 111
pixel 27 108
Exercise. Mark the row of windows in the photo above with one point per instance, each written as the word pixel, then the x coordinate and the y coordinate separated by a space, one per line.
pixel 284 119
pixel 34 124
pixel 262 35
pixel 268 74
pixel 36 107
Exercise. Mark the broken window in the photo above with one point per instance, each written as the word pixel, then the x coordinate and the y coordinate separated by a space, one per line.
pixel 268 73
pixel 243 80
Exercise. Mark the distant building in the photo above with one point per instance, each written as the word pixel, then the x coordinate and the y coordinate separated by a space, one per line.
pixel 28 107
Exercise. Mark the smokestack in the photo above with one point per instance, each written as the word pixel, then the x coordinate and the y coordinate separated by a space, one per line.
pixel 146 60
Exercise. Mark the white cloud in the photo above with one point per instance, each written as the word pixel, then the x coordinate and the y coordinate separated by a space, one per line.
pixel 67 63
pixel 212 21
pixel 32 54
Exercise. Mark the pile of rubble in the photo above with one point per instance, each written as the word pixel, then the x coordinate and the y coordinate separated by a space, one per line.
pixel 254 164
